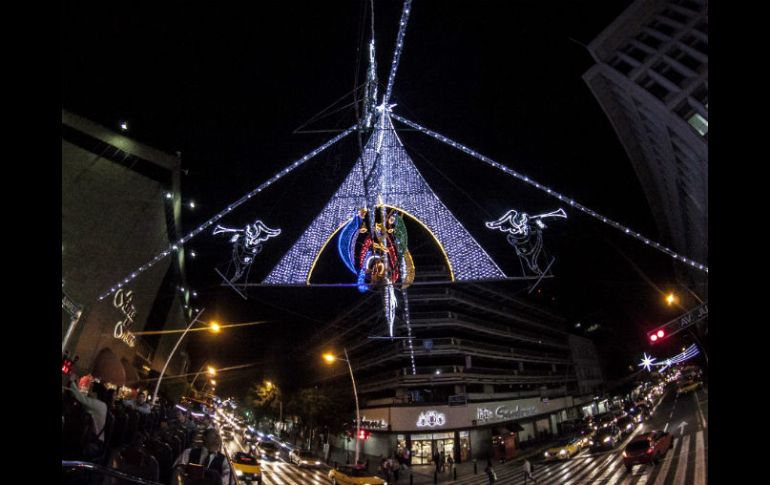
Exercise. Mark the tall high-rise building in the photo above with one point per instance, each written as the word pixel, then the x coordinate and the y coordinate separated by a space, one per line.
pixel 651 79
pixel 120 207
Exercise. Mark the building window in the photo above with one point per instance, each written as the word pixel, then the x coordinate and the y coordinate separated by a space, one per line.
pixel 649 40
pixel 665 70
pixel 621 66
pixel 635 53
pixel 696 43
pixel 683 58
pixel 664 28
pixel 678 16
pixel 700 124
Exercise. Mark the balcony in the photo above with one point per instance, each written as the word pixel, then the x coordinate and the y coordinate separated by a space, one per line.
pixel 452 375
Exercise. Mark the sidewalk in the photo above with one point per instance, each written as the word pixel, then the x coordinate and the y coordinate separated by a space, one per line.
pixel 423 474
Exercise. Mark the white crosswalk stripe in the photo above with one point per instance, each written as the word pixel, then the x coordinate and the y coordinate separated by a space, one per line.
pixel 590 472
pixel 681 467
pixel 700 460
pixel 661 477
pixel 570 471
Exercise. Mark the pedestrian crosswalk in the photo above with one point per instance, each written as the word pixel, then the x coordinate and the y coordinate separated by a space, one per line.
pixel 684 464
pixel 282 473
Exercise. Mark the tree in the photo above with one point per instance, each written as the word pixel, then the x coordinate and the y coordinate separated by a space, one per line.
pixel 265 398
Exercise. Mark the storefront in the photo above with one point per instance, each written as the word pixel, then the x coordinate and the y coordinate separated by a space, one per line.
pixel 476 430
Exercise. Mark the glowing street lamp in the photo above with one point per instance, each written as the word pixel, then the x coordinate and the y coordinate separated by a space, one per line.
pixel 212 371
pixel 214 327
pixel 671 299
pixel 330 358
pixel 170 355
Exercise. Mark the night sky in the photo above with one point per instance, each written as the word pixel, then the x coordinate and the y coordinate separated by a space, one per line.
pixel 226 87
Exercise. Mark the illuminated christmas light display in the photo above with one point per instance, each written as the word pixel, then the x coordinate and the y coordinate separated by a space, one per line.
pixel 392 183
pixel 397 51
pixel 690 352
pixel 647 362
pixel 247 243
pixel 525 234
pixel 552 193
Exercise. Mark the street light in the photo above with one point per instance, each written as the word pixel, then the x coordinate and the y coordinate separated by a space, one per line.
pixel 165 366
pixel 671 299
pixel 215 327
pixel 210 370
pixel 330 358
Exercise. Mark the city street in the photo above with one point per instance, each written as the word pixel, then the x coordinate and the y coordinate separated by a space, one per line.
pixel 685 463
pixel 279 471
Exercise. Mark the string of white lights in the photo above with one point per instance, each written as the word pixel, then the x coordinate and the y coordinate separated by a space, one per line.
pixel 180 243
pixel 553 193
pixel 409 331
pixel 397 50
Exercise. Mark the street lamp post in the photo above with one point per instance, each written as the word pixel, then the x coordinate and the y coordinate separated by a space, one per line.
pixel 160 378
pixel 211 371
pixel 330 358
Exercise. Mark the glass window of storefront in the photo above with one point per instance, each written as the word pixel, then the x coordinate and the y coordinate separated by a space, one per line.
pixel 424 445
pixel 465 446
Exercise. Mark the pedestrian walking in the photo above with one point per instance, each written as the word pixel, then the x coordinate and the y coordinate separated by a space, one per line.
pixel 528 472
pixel 490 472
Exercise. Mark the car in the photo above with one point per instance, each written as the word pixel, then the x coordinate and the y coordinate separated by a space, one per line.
pixel 647 448
pixel 227 432
pixel 637 413
pixel 603 420
pixel 606 438
pixel 247 468
pixel 627 424
pixel 584 436
pixel 563 450
pixel 688 386
pixel 303 458
pixel 267 449
pixel 354 475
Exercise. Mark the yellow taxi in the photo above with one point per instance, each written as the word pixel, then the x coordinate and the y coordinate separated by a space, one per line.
pixel 563 450
pixel 247 468
pixel 584 437
pixel 688 386
pixel 354 475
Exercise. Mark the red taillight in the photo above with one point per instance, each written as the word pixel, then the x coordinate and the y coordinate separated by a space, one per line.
pixel 649 451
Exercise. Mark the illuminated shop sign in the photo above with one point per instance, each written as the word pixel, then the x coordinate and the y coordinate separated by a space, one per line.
pixel 123 301
pixel 431 419
pixel 503 413
pixel 373 423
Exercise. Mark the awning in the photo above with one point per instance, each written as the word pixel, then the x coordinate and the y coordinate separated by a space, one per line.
pixel 107 368
pixel 514 427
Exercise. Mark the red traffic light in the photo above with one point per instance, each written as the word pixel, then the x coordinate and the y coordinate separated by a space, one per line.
pixel 66 366
pixel 656 335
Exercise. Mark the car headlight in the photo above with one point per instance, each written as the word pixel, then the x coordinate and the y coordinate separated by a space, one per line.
pixel 238 473
pixel 547 454
pixel 563 452
pixel 607 439
pixel 303 461
pixel 591 442
pixel 318 463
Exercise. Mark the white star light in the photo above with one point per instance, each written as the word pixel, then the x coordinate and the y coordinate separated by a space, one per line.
pixel 647 362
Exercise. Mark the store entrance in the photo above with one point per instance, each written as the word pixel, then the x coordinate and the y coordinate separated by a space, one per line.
pixel 422 452
pixel 447 446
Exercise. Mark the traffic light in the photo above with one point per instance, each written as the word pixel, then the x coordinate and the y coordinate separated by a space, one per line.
pixel 66 366
pixel 656 335
pixel 363 435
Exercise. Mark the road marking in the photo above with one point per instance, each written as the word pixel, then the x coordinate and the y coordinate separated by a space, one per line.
pixel 700 413
pixel 609 470
pixel 666 464
pixel 700 459
pixel 598 468
pixel 665 427
pixel 681 467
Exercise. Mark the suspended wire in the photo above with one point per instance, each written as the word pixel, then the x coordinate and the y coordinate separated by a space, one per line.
pixel 322 114
pixel 552 193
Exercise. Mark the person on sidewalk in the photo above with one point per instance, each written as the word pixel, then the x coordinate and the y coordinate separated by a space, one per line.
pixel 528 472
pixel 490 472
